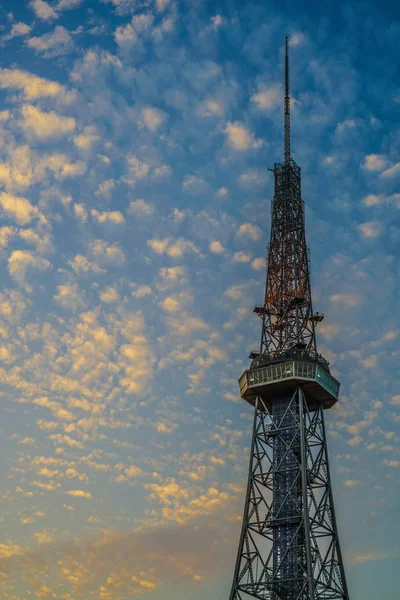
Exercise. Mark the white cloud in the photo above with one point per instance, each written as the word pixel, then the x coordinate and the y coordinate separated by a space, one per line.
pixel 240 137
pixel 80 212
pixel 81 264
pixel 253 179
pixel 45 124
pixel 346 125
pixel 259 263
pixel 161 172
pixel 69 297
pixel 250 231
pixel 153 117
pixel 370 229
pixel 53 43
pixel 18 208
pixel 217 21
pixel 138 169
pixel 216 247
pixel 125 36
pixel 223 192
pixel 142 22
pixel 392 171
pixel 210 108
pixel 140 207
pixel 43 10
pixel 237 292
pixel 79 494
pixel 6 234
pixel 173 248
pixel 194 184
pixel 162 4
pixel 68 4
pixel 109 295
pixel 22 261
pixel 267 99
pixel 32 86
pixel 345 299
pixel 372 200
pixel 17 30
pixel 142 291
pixel 86 139
pixel 114 216
pixel 59 165
pixel 107 253
pixel 375 162
pixel 241 257
pixel 297 38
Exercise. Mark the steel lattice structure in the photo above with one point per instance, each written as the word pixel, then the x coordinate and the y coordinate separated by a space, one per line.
pixel 289 547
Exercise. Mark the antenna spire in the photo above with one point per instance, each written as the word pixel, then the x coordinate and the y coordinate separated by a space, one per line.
pixel 287 103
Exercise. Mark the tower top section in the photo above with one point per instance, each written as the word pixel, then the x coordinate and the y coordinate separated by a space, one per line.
pixel 287 104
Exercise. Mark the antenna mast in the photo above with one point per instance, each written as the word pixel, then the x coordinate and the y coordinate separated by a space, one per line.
pixel 287 104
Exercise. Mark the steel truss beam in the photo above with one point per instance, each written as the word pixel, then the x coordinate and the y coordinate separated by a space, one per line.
pixel 289 547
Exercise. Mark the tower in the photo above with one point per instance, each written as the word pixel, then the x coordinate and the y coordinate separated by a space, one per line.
pixel 289 546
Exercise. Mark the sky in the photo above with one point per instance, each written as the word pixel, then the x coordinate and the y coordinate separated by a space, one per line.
pixel 135 141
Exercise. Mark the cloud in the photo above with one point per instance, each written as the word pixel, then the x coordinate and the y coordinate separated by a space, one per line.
pixel 21 261
pixel 173 248
pixel 250 231
pixel 253 179
pixel 114 216
pixel 52 44
pixel 392 171
pixel 138 169
pixel 297 38
pixel 81 264
pixel 371 229
pixel 352 483
pixel 193 184
pixel 267 99
pixel 107 253
pixel 135 358
pixel 45 124
pixel 216 247
pixel 109 295
pixel 259 263
pixel 18 208
pixel 43 10
pixel 375 162
pixel 67 4
pixel 211 108
pixel 241 257
pixel 142 291
pixel 373 200
pixel 140 207
pixel 153 118
pixel 86 139
pixel 126 36
pixel 240 137
pixel 18 29
pixel 69 297
pixel 32 86
pixel 79 494
pixel 346 299
pixel 237 292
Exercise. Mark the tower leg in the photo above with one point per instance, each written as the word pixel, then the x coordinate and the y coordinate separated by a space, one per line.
pixel 289 547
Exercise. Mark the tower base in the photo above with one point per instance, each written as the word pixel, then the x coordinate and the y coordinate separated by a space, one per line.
pixel 289 546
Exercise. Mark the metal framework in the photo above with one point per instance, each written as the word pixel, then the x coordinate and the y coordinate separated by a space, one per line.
pixel 289 547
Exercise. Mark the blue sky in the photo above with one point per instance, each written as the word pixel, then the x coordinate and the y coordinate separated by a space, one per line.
pixel 135 138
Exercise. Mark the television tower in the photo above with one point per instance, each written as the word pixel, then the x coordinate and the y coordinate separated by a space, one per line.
pixel 289 546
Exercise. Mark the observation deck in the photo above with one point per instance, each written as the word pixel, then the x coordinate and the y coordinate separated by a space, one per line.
pixel 272 374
